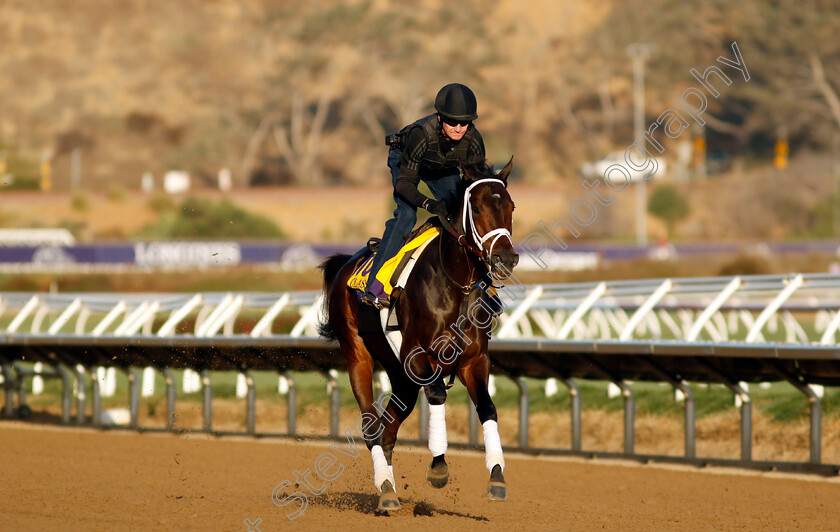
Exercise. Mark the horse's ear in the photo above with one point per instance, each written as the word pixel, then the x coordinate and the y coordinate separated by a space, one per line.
pixel 505 172
pixel 466 173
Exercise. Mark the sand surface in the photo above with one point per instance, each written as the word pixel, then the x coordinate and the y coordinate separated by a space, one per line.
pixel 57 478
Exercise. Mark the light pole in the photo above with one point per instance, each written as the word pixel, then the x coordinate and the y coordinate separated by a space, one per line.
pixel 639 52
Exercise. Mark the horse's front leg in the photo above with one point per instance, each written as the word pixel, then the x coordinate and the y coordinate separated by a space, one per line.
pixel 419 370
pixel 475 376
pixel 438 472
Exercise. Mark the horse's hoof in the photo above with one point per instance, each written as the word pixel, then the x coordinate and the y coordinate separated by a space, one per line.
pixel 388 500
pixel 437 473
pixel 496 491
pixel 437 479
pixel 496 487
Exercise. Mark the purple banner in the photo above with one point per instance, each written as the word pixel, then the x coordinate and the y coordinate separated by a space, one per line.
pixel 302 255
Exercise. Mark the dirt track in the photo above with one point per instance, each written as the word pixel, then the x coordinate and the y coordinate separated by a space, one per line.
pixel 80 479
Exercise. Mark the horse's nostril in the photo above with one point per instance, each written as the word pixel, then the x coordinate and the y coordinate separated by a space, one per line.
pixel 515 260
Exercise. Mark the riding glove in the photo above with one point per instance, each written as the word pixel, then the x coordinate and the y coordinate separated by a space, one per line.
pixel 437 207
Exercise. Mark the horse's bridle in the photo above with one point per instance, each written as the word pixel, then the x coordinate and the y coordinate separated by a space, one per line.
pixel 467 213
pixel 476 247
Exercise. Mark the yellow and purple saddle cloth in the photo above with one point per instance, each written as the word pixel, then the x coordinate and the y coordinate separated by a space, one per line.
pixel 395 271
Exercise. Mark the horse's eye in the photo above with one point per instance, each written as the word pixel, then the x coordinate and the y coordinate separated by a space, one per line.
pixel 474 209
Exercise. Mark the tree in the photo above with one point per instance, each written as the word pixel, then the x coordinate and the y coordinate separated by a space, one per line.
pixel 667 204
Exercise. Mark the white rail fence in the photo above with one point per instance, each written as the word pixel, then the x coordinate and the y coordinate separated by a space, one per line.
pixel 790 309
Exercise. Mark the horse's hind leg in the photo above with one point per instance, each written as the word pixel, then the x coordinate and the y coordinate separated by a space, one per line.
pixel 399 407
pixel 438 472
pixel 360 366
pixel 475 376
pixel 360 370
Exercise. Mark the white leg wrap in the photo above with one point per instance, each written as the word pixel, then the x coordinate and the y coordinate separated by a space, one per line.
pixel 437 429
pixel 393 482
pixel 381 470
pixel 492 446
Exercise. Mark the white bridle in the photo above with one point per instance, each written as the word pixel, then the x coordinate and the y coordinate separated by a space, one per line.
pixel 495 234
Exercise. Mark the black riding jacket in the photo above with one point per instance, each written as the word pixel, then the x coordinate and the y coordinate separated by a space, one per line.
pixel 428 154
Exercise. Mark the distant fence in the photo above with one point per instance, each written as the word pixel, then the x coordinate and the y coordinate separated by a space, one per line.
pixel 730 331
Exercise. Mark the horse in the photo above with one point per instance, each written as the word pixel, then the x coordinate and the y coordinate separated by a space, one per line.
pixel 445 321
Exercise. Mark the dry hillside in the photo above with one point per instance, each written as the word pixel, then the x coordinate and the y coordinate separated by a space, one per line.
pixel 282 91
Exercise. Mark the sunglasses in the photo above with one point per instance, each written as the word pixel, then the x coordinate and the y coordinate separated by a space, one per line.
pixel 452 123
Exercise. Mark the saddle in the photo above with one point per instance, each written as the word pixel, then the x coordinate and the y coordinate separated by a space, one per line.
pixel 394 273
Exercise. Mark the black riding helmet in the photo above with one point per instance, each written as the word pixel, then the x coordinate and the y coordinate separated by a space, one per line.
pixel 456 102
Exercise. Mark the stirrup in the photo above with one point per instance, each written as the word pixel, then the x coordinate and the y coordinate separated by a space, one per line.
pixel 373 301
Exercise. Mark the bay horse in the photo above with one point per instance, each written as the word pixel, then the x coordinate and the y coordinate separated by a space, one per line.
pixel 445 322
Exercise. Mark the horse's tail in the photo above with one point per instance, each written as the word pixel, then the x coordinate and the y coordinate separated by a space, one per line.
pixel 330 267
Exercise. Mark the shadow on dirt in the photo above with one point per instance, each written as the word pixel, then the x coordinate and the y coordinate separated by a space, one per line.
pixel 366 503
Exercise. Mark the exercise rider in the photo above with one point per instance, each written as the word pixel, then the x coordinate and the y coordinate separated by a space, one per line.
pixel 430 150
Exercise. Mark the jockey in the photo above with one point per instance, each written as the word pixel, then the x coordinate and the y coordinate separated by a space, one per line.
pixel 429 149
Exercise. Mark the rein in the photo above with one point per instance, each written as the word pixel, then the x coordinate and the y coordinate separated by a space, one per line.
pixel 467 288
pixel 462 240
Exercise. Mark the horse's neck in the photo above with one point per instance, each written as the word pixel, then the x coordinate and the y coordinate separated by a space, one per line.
pixel 460 266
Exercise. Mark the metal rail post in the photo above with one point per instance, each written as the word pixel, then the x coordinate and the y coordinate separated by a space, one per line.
pixel 473 423
pixel 816 425
pixel 66 392
pixel 629 404
pixel 575 408
pixel 690 409
pixel 133 396
pixel 690 415
pixel 423 416
pixel 746 424
pixel 816 413
pixel 629 416
pixel 291 405
pixel 523 411
pixel 169 378
pixel 251 403
pixel 9 388
pixel 746 409
pixel 335 402
pixel 208 400
pixel 79 392
pixel 574 400
pixel 21 389
pixel 96 400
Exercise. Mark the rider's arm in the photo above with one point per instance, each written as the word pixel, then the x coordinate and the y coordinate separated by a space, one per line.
pixel 408 176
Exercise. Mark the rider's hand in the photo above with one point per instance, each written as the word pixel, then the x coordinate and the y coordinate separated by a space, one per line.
pixel 437 207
